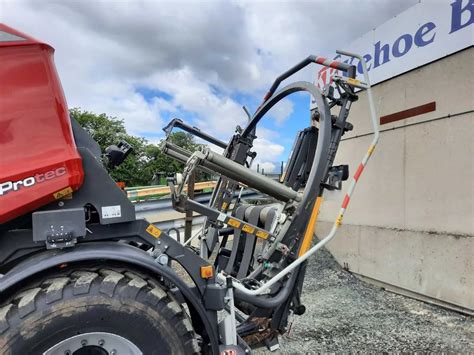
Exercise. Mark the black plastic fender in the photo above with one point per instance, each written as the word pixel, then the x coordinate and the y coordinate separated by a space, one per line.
pixel 110 251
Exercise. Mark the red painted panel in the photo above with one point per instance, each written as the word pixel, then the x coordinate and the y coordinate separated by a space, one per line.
pixel 38 156
pixel 414 111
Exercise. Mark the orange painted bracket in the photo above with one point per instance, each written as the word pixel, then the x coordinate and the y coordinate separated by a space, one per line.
pixel 309 233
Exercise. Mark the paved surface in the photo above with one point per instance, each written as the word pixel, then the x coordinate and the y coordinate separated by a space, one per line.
pixel 345 314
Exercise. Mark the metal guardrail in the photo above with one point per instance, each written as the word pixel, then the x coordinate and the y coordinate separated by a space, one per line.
pixel 164 190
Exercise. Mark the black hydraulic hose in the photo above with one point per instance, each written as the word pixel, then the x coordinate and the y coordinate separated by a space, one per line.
pixel 226 231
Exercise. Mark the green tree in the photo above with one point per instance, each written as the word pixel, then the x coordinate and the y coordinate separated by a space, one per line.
pixel 107 130
pixel 159 163
pixel 146 160
pixel 104 129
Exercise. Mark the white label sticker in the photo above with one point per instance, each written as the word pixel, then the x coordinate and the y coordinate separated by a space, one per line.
pixel 221 217
pixel 111 211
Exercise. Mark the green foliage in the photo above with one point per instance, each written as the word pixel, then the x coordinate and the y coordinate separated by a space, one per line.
pixel 104 129
pixel 146 162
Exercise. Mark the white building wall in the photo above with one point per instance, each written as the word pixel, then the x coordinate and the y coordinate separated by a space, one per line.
pixel 410 222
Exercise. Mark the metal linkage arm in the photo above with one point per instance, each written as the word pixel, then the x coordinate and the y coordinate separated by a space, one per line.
pixel 216 217
pixel 194 131
pixel 337 223
pixel 373 113
pixel 348 68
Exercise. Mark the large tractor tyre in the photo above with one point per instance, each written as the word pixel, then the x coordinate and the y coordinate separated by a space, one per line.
pixel 95 311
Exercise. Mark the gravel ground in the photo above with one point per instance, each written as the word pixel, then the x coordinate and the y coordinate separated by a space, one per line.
pixel 344 314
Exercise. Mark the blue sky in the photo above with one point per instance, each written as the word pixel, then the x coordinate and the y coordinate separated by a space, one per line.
pixel 282 131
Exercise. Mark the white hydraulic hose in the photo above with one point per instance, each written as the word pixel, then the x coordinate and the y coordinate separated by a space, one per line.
pixel 340 216
pixel 193 237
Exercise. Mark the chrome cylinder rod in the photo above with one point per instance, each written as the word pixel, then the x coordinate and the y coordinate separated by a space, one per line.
pixel 248 177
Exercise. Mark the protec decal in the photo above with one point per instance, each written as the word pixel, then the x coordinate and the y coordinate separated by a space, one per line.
pixel 10 186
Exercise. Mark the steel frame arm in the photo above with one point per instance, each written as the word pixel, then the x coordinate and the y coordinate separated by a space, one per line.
pixel 337 223
pixel 348 68
pixel 176 122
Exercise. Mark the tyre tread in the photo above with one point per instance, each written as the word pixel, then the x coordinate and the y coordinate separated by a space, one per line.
pixel 113 282
pixel 83 281
pixel 54 292
pixel 27 301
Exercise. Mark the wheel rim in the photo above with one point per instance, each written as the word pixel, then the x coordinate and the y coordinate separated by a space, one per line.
pixel 95 343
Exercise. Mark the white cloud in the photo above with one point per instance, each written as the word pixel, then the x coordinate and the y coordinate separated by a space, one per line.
pixel 119 99
pixel 269 154
pixel 200 53
pixel 268 134
pixel 268 167
pixel 215 114
pixel 281 111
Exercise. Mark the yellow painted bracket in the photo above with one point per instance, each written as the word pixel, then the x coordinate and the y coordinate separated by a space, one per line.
pixel 309 233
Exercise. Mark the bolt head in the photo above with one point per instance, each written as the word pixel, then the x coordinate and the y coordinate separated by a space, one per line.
pixel 163 259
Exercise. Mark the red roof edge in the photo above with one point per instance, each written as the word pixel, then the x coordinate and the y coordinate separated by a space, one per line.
pixel 26 39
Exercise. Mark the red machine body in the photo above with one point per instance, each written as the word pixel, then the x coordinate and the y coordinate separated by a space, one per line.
pixel 39 161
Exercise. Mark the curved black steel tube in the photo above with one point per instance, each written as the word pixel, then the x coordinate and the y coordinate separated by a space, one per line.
pixel 324 134
pixel 315 178
pixel 348 68
pixel 287 90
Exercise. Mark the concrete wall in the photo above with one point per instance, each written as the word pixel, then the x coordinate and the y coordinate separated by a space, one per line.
pixel 410 222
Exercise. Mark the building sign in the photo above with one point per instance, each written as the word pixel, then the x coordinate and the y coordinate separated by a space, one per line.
pixel 423 33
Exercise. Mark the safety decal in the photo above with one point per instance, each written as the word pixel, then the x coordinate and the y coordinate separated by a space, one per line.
pixel 233 223
pixel 111 211
pixel 248 229
pixel 154 231
pixel 64 193
pixel 262 234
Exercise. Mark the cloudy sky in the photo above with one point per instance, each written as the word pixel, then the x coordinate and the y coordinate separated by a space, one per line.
pixel 150 61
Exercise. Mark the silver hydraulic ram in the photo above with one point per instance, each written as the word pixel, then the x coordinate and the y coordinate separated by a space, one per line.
pixel 363 85
pixel 181 154
pixel 212 161
pixel 248 177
